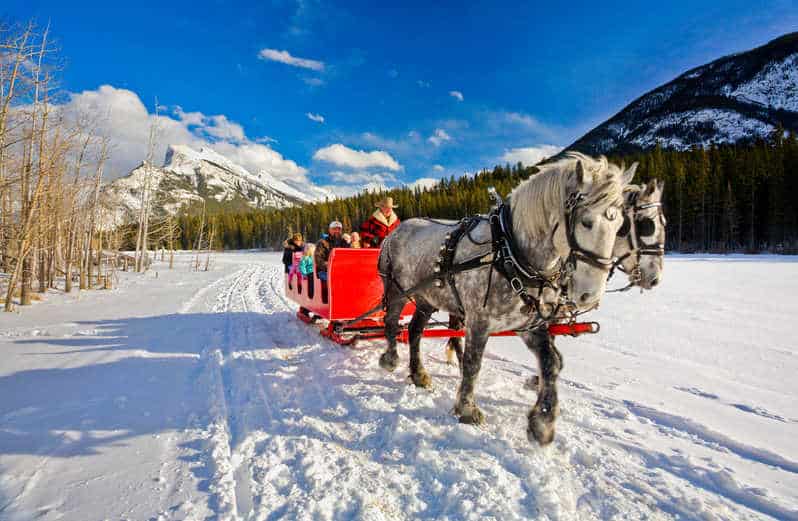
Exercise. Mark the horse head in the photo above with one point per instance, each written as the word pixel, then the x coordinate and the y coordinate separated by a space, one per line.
pixel 641 240
pixel 593 215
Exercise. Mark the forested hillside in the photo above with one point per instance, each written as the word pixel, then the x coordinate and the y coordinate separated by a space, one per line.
pixel 722 199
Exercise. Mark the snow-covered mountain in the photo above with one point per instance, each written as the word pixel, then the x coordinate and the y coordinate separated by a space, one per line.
pixel 188 175
pixel 737 98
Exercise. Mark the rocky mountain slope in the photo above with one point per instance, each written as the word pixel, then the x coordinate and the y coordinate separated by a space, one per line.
pixel 737 98
pixel 188 176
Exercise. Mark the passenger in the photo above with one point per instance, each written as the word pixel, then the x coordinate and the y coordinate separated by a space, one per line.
pixel 306 267
pixel 379 225
pixel 290 246
pixel 355 240
pixel 333 239
pixel 306 264
pixel 293 272
pixel 348 239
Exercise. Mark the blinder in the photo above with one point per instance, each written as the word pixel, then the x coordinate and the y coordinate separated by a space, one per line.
pixel 645 226
pixel 625 227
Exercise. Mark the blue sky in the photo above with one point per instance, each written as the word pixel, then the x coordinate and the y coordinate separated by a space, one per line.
pixel 422 90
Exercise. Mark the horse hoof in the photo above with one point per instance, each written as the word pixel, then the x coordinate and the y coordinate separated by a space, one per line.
pixel 540 430
pixel 422 379
pixel 473 417
pixel 389 360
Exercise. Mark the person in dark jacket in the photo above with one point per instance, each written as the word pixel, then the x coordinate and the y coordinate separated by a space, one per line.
pixel 291 246
pixel 379 225
pixel 333 239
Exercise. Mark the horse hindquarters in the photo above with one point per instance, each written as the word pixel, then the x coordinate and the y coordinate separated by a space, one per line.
pixel 543 415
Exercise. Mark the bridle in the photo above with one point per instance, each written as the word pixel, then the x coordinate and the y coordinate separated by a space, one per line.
pixel 517 270
pixel 577 253
pixel 634 230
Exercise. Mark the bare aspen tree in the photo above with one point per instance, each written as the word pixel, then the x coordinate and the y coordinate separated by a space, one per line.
pixel 144 212
pixel 49 218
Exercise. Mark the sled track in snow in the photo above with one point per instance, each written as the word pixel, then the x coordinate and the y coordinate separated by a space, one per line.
pixel 301 428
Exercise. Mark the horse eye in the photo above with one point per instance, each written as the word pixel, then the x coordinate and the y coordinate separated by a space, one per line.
pixel 587 223
pixel 611 213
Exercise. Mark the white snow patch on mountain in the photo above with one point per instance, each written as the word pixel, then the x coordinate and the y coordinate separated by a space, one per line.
pixel 188 175
pixel 776 85
pixel 730 127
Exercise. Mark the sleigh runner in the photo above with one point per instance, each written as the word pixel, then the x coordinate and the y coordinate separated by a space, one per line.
pixel 354 288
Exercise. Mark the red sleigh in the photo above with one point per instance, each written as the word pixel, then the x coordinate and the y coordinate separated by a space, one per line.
pixel 354 287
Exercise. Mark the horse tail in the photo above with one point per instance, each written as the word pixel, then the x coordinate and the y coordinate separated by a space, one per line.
pixel 384 264
pixel 385 267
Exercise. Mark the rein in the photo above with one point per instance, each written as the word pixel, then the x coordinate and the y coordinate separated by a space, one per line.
pixel 577 252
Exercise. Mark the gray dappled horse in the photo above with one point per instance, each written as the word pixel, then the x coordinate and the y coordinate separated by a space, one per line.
pixel 571 210
pixel 638 251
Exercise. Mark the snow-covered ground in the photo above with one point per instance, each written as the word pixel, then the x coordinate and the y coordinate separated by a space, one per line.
pixel 200 396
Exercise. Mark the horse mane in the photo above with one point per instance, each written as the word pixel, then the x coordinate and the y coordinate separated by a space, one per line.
pixel 538 203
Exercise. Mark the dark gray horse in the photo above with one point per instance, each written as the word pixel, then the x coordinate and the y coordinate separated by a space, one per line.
pixel 547 228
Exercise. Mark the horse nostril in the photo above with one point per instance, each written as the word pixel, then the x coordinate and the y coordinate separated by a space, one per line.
pixel 655 281
pixel 585 297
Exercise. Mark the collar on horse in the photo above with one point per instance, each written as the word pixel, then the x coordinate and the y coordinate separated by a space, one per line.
pixel 634 237
pixel 512 264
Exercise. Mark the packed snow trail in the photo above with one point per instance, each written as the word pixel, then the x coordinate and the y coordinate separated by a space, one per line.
pixel 221 405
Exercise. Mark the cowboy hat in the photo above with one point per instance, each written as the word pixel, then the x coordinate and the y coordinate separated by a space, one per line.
pixel 336 224
pixel 386 202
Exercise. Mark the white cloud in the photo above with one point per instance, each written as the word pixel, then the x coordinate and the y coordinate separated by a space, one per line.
pixel 439 137
pixel 423 84
pixel 286 58
pixel 529 156
pixel 393 73
pixel 342 155
pixel 424 182
pixel 343 190
pixel 361 178
pixel 318 118
pixel 456 94
pixel 438 168
pixel 126 120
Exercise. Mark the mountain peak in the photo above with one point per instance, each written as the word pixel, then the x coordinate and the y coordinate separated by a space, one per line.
pixel 189 176
pixel 737 98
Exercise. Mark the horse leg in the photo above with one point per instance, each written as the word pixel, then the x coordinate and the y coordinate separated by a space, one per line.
pixel 545 411
pixel 454 346
pixel 420 319
pixel 395 303
pixel 466 406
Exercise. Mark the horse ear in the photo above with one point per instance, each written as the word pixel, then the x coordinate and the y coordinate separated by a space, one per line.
pixel 651 187
pixel 629 174
pixel 661 184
